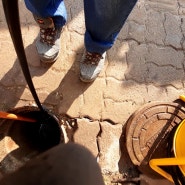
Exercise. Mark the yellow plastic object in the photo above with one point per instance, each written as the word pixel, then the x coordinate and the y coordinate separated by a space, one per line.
pixel 179 151
pixel 179 144
pixel 182 97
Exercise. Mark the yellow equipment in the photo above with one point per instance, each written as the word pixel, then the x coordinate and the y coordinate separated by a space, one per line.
pixel 179 152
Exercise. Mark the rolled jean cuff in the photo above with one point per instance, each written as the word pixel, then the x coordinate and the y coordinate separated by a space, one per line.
pixel 55 9
pixel 98 46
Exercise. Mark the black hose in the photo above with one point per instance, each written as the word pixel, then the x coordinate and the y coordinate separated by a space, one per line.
pixel 49 131
pixel 12 17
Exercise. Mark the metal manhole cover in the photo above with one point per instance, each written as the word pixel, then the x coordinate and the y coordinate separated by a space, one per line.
pixel 148 130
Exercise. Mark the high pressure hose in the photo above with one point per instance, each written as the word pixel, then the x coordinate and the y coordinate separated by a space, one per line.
pixel 49 129
pixel 12 17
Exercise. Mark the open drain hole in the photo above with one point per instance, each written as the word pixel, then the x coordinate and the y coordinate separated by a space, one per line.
pixel 21 141
pixel 40 135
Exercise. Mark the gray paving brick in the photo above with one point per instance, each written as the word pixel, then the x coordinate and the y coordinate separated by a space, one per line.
pixel 146 64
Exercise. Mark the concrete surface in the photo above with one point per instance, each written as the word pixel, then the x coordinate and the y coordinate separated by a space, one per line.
pixel 145 64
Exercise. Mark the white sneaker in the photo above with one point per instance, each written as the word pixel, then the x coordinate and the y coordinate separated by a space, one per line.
pixel 48 41
pixel 91 65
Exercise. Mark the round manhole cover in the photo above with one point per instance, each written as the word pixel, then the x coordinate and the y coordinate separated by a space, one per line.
pixel 148 131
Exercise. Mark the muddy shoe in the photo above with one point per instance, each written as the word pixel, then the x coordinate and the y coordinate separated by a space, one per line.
pixel 91 65
pixel 48 40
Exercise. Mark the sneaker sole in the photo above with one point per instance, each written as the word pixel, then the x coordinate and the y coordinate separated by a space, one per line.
pixel 49 61
pixel 86 80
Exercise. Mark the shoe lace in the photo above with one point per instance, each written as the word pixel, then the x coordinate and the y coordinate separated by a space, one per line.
pixel 92 58
pixel 47 35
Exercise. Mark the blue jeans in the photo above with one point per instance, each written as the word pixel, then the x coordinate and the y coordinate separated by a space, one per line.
pixel 103 19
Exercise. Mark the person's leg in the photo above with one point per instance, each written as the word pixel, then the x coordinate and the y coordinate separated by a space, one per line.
pixel 51 16
pixel 104 20
pixel 49 8
pixel 66 164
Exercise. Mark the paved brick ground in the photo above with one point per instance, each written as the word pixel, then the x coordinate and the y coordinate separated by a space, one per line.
pixel 145 64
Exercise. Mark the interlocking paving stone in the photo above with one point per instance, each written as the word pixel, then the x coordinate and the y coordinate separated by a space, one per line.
pixel 146 64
